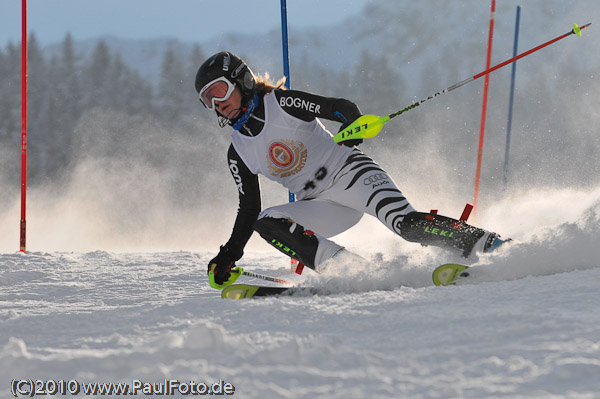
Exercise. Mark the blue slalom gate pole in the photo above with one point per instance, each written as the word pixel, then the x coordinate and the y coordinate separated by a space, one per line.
pixel 284 43
pixel 297 267
pixel 511 99
pixel 286 57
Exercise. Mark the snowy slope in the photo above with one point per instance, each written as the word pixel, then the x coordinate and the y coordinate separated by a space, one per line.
pixel 528 326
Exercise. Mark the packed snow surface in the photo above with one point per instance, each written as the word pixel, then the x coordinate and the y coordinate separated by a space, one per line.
pixel 526 326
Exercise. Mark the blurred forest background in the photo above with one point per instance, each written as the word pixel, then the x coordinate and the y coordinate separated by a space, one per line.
pixel 128 150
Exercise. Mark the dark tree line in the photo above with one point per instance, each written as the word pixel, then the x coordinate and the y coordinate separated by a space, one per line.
pixel 101 107
pixel 65 88
pixel 62 88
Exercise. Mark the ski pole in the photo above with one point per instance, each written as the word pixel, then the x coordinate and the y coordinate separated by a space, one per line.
pixel 267 278
pixel 239 271
pixel 368 126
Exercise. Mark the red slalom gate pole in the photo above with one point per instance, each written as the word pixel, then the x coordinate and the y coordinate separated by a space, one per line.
pixel 484 107
pixel 23 122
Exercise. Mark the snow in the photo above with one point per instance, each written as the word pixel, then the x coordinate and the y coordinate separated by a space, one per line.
pixel 526 326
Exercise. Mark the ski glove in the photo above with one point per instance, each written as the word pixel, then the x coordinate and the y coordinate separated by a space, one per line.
pixel 222 264
pixel 349 143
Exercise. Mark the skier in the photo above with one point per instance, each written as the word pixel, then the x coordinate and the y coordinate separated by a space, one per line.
pixel 277 133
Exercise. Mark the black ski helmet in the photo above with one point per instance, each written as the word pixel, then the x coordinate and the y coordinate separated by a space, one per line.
pixel 232 68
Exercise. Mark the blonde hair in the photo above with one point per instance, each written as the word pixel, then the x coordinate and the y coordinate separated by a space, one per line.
pixel 264 84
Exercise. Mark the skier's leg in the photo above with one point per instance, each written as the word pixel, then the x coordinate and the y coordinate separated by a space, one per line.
pixel 300 229
pixel 325 218
pixel 365 186
pixel 445 232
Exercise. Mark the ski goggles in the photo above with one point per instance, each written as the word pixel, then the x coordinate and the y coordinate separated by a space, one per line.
pixel 219 89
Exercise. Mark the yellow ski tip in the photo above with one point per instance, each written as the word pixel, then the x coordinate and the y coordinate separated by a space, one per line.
pixel 239 291
pixel 447 274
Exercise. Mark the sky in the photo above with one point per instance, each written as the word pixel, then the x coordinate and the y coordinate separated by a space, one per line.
pixel 187 20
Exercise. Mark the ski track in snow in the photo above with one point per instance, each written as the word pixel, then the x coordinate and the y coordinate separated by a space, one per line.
pixel 525 326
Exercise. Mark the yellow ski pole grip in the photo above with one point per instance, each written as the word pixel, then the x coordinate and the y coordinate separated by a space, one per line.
pixel 235 274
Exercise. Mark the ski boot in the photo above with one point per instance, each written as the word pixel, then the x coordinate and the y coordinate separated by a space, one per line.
pixel 494 242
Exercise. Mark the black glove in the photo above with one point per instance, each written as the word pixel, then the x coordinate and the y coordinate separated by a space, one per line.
pixel 222 264
pixel 349 143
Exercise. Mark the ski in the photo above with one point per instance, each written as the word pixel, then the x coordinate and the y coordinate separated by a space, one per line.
pixel 241 291
pixel 443 275
pixel 449 274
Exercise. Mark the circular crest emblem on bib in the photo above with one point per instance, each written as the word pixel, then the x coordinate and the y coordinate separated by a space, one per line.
pixel 286 157
pixel 281 154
